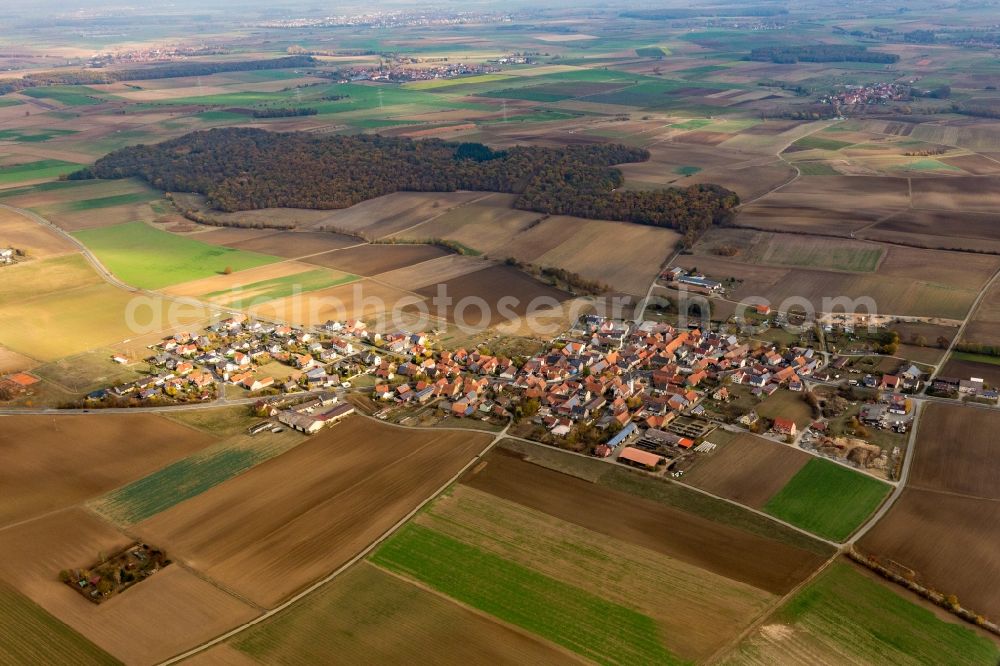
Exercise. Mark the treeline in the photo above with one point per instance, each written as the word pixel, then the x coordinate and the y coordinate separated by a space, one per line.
pixel 245 169
pixel 977 110
pixel 97 76
pixel 284 112
pixel 668 14
pixel 978 348
pixel 820 53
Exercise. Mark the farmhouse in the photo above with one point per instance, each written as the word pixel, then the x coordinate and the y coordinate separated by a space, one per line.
pixel 639 458
pixel 784 426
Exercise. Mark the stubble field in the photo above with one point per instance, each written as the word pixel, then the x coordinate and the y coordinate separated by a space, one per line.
pixel 258 526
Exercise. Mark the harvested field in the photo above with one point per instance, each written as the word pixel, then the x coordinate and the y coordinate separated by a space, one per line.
pixel 42 471
pixel 585 623
pixel 629 264
pixel 191 476
pixel 957 451
pixel 352 482
pixel 723 550
pixel 755 247
pixel 32 636
pixel 956 551
pixel 54 275
pixel 485 226
pixel 398 622
pixel 434 271
pixel 748 469
pixel 35 240
pixel 362 299
pixel 847 616
pixel 493 288
pixel 963 193
pixel 946 229
pixel 964 367
pixel 293 244
pixel 393 213
pixel 669 591
pixel 371 260
pixel 828 204
pixel 159 617
pixel 229 235
pixel 62 324
pixel 238 280
pixel 11 361
pixel 977 165
pixel 893 293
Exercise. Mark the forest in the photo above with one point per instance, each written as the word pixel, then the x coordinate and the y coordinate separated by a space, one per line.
pixel 820 53
pixel 245 169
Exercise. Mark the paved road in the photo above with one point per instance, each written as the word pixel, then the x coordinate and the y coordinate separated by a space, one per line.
pixel 904 475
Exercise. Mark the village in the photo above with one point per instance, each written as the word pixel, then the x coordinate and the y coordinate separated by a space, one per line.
pixel 647 394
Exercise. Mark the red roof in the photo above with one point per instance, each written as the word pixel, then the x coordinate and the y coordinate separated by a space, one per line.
pixel 639 456
pixel 23 379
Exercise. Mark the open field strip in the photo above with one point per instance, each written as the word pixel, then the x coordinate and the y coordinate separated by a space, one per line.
pixel 398 622
pixel 828 499
pixel 569 616
pixel 846 616
pixel 148 258
pixel 666 590
pixel 31 635
pixel 191 476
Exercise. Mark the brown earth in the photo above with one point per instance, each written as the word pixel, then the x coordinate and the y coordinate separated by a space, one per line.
pixel 948 540
pixel 489 287
pixel 956 451
pixel 962 369
pixel 977 165
pixel 371 616
pixel 371 260
pixel 168 613
pixel 291 244
pixel 50 462
pixel 960 193
pixel 287 522
pixel 724 550
pixel 748 469
pixel 37 241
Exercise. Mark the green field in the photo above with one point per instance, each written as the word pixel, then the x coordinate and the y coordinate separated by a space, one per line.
pixel 32 135
pixel 827 499
pixel 9 101
pixel 267 290
pixel 650 52
pixel 191 476
pixel 693 124
pixel 597 629
pixel 32 636
pixel 687 170
pixel 103 202
pixel 148 258
pixel 816 169
pixel 818 143
pixel 68 95
pixel 846 617
pixel 462 80
pixel 37 170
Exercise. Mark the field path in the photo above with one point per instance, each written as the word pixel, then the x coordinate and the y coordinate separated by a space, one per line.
pixel 354 560
pixel 965 323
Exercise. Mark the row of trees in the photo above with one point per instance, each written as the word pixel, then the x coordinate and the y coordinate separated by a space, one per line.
pixel 245 169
